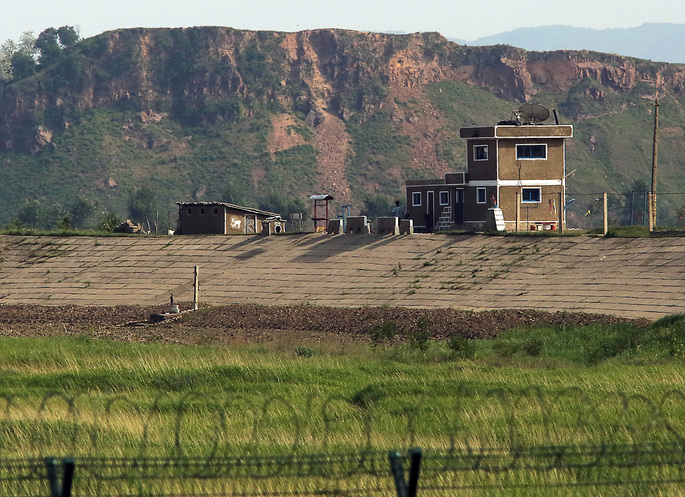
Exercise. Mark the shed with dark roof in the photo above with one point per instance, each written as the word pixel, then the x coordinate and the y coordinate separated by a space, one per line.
pixel 222 218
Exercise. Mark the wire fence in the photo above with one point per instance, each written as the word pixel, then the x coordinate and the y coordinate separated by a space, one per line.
pixel 497 442
pixel 554 470
pixel 585 210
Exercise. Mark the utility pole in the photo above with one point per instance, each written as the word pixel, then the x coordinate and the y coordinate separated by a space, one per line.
pixel 655 143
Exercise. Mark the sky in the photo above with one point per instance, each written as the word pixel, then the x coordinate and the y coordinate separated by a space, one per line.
pixel 466 20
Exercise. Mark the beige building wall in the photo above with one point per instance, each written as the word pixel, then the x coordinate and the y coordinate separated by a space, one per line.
pixel 511 168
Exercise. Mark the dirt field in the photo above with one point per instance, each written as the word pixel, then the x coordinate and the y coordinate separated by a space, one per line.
pixel 251 323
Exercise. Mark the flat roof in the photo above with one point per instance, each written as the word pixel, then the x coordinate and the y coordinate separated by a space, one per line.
pixel 518 131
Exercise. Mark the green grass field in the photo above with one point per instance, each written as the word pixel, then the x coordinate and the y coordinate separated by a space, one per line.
pixel 390 395
pixel 539 387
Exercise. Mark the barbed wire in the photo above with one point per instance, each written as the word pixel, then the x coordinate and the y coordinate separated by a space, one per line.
pixel 190 444
pixel 175 426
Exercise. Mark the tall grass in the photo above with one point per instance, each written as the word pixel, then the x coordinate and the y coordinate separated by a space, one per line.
pixel 95 397
pixel 531 387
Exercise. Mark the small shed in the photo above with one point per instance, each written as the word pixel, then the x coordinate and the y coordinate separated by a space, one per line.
pixel 222 218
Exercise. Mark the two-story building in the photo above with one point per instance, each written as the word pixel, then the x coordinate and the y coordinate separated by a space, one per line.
pixel 519 169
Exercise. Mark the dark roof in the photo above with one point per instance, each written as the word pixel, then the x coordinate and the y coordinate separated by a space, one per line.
pixel 425 182
pixel 232 206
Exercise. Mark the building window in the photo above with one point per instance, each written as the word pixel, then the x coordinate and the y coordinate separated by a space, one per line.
pixel 202 211
pixel 444 198
pixel 531 195
pixel 480 195
pixel 480 152
pixel 416 199
pixel 190 210
pixel 216 211
pixel 531 151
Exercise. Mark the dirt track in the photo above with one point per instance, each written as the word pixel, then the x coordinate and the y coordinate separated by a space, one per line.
pixel 251 323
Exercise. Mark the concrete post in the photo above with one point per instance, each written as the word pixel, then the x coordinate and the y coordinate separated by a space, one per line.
pixel 196 288
pixel 606 213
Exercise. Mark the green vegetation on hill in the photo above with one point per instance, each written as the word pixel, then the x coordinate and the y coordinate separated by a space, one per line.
pixel 186 113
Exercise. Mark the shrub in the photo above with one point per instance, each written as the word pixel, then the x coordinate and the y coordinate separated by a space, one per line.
pixel 462 347
pixel 614 341
pixel 669 332
pixel 505 348
pixel 419 338
pixel 384 332
pixel 304 352
pixel 108 222
pixel 367 396
pixel 532 347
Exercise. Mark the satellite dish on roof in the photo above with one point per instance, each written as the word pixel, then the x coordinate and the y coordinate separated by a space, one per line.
pixel 533 113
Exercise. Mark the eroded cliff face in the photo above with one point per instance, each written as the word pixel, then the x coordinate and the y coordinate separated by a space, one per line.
pixel 209 74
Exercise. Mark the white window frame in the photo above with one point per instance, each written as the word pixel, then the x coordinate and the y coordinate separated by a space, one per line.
pixel 539 190
pixel 414 195
pixel 475 155
pixel 446 202
pixel 544 145
pixel 485 195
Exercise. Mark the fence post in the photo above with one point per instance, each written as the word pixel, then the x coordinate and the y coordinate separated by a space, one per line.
pixel 51 467
pixel 397 473
pixel 416 454
pixel 404 489
pixel 68 478
pixel 196 287
pixel 57 490
pixel 562 212
pixel 606 213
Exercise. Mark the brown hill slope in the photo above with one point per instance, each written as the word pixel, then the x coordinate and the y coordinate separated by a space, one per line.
pixel 183 69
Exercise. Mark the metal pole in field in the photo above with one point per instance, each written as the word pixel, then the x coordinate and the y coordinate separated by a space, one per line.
pixel 562 213
pixel 606 212
pixel 655 144
pixel 196 288
pixel 518 210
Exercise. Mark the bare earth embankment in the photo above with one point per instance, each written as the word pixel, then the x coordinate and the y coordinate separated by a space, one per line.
pixel 315 286
pixel 245 323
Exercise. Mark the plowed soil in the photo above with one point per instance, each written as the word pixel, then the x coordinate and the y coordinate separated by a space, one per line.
pixel 251 323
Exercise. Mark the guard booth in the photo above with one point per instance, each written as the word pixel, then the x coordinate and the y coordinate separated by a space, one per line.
pixel 320 212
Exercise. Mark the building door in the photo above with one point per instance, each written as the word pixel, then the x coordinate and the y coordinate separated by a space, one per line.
pixel 459 206
pixel 250 221
pixel 430 211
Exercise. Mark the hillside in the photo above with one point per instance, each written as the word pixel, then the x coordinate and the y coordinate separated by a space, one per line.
pixel 654 41
pixel 132 121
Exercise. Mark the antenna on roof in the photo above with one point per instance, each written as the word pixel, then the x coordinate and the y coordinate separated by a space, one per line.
pixel 532 113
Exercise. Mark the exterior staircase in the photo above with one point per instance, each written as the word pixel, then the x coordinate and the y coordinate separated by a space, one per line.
pixel 445 219
pixel 499 219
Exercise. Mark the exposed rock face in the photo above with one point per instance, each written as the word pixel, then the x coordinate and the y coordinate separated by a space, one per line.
pixel 208 74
